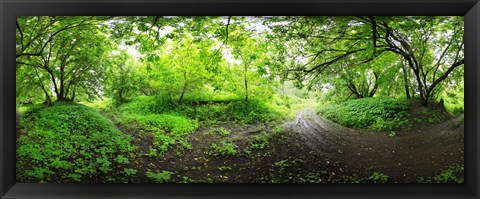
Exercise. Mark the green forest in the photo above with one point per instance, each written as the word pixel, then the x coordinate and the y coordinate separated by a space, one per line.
pixel 240 99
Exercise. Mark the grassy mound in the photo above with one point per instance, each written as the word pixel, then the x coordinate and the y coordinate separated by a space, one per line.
pixel 382 114
pixel 69 142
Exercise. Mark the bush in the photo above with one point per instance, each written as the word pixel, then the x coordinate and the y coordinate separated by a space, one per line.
pixel 68 142
pixel 382 114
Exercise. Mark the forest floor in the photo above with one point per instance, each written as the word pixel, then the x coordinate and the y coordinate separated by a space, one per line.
pixel 404 157
pixel 307 149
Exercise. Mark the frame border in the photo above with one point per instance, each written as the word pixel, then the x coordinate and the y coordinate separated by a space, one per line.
pixel 9 9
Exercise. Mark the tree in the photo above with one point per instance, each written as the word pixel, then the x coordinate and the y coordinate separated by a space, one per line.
pixel 122 78
pixel 432 47
pixel 36 32
pixel 70 62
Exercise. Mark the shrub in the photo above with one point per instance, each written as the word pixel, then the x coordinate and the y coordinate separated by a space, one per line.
pixel 384 114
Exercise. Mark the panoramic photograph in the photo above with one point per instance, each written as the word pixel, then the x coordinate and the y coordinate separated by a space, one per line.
pixel 240 99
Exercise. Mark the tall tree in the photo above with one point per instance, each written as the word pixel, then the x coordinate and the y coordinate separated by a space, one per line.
pixel 432 47
pixel 70 62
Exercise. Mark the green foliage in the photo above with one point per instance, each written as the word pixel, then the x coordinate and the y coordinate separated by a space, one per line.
pixel 129 171
pixel 220 131
pixel 208 113
pixel 201 71
pixel 282 163
pixel 159 177
pixel 167 127
pixel 382 114
pixel 122 160
pixel 169 123
pixel 392 134
pixel 251 112
pixel 453 174
pixel 122 80
pixel 167 130
pixel 71 65
pixel 68 142
pixel 223 149
pixel 263 140
pixel 378 177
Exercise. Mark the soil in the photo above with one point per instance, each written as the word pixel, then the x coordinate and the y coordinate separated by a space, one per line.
pixel 310 149
pixel 404 157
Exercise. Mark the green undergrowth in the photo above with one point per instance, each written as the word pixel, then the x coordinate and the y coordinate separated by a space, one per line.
pixel 452 174
pixel 380 114
pixel 223 149
pixel 68 143
pixel 170 123
pixel 168 130
pixel 208 112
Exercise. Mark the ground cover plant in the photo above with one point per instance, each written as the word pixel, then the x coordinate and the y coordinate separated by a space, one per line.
pixel 233 99
pixel 70 142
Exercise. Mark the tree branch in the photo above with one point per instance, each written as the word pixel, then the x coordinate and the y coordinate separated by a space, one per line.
pixel 333 60
pixel 445 75
pixel 21 33
pixel 226 38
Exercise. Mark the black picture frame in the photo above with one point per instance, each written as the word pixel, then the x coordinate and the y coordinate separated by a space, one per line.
pixel 9 9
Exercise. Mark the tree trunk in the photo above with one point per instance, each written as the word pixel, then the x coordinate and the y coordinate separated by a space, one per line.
pixel 375 86
pixel 73 94
pixel 62 94
pixel 246 84
pixel 184 87
pixel 48 100
pixel 351 86
pixel 52 77
pixel 406 82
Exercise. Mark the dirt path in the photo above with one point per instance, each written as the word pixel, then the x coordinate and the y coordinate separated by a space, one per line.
pixel 404 157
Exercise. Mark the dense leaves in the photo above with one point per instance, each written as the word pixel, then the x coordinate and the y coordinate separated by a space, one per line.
pixel 375 113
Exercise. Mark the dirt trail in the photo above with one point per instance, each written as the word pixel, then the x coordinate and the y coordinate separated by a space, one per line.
pixel 405 156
